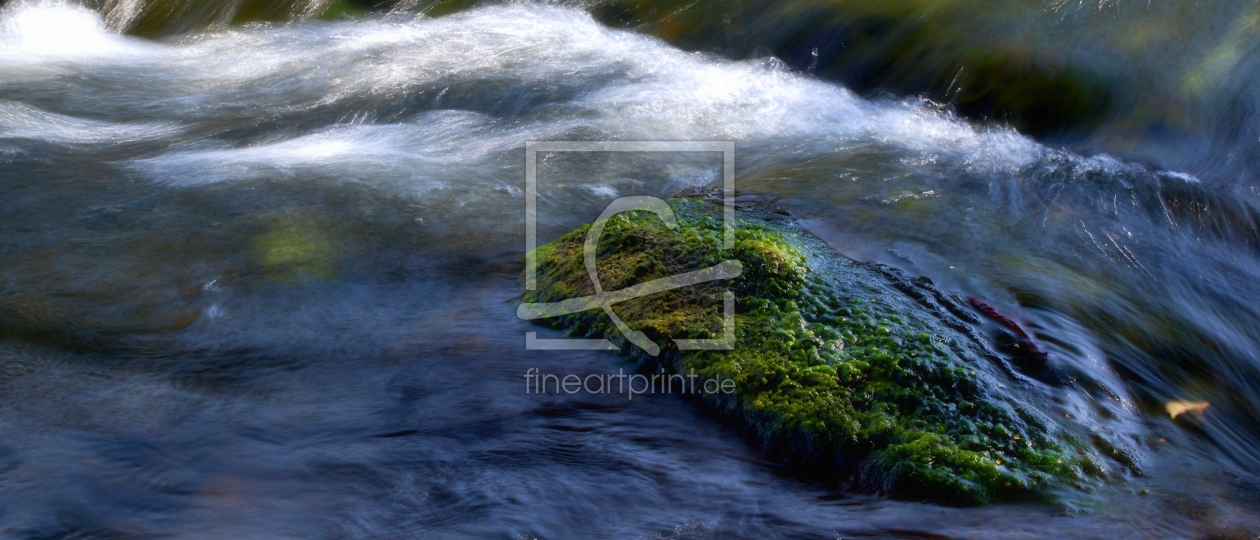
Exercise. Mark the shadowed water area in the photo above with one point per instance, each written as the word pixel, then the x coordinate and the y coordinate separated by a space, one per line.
pixel 260 262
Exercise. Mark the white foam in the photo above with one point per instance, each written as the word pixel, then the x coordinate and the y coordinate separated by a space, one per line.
pixel 33 32
pixel 436 145
pixel 18 121
pixel 1187 178
pixel 572 77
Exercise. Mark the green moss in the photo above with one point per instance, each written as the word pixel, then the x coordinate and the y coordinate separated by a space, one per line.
pixel 341 9
pixel 834 368
pixel 296 248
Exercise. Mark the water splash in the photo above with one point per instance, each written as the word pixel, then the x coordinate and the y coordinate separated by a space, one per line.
pixel 380 159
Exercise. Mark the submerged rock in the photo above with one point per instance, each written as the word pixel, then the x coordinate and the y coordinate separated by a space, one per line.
pixel 839 367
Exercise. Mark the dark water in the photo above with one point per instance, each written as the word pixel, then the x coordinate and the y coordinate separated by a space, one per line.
pixel 258 282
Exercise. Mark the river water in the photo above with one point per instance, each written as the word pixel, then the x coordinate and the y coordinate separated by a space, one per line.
pixel 259 281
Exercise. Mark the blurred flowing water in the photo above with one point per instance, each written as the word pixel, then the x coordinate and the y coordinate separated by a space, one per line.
pixel 257 279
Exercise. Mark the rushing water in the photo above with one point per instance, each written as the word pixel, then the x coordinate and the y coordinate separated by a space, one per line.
pixel 259 281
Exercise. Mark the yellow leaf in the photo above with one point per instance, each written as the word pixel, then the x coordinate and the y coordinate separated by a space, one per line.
pixel 1175 408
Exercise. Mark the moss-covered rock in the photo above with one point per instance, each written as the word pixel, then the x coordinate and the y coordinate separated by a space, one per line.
pixel 839 366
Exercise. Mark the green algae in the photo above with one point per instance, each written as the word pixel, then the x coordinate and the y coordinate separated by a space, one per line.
pixel 837 369
pixel 166 18
pixel 295 248
pixel 341 9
